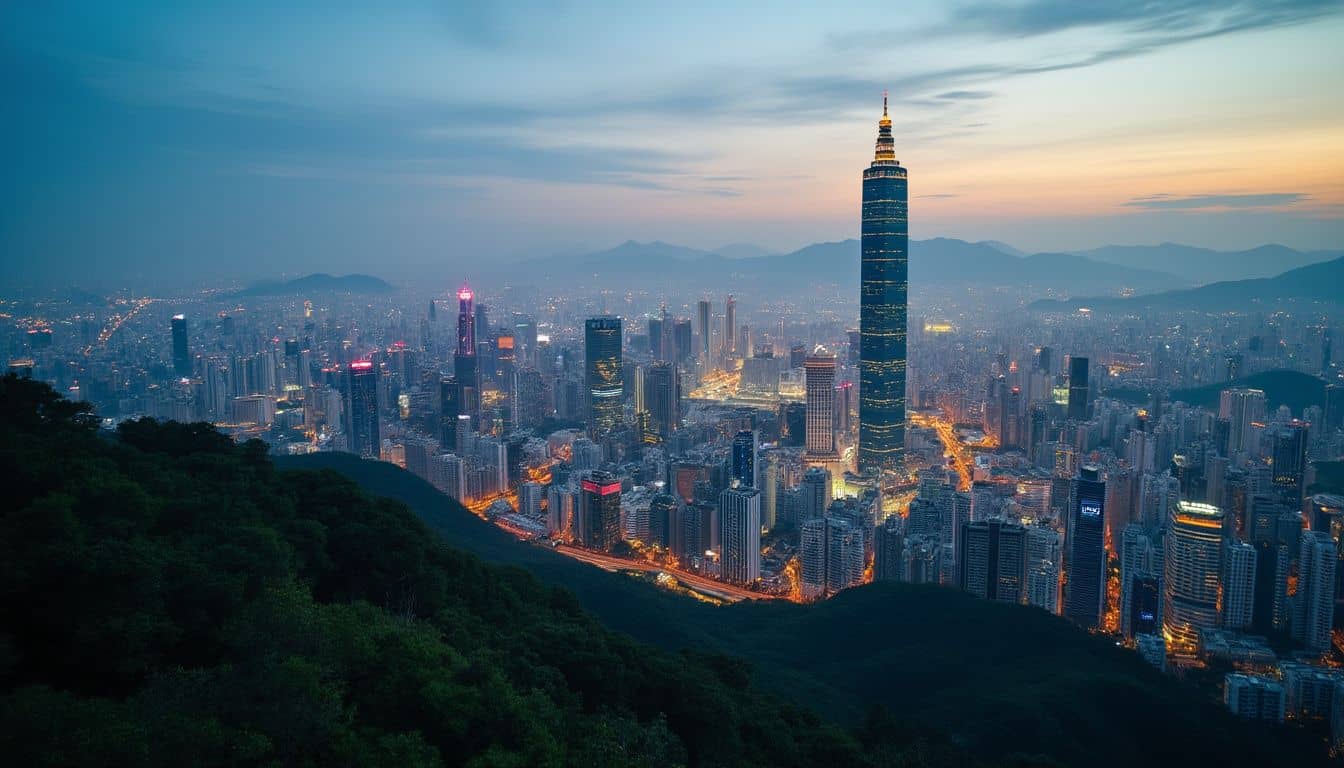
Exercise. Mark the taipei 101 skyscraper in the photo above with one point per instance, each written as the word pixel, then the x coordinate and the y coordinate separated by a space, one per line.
pixel 884 284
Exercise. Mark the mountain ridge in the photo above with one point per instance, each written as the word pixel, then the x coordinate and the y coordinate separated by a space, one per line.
pixel 1314 282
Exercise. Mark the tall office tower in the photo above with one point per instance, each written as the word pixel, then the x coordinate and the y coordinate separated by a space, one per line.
pixel 466 368
pixel 601 510
pixel 1078 389
pixel 816 496
pixel 703 312
pixel 1314 606
pixel 740 516
pixel 729 326
pixel 884 282
pixel 844 406
pixel 1043 360
pixel 181 352
pixel 480 322
pixel 656 337
pixel 449 409
pixel 1085 566
pixel 991 560
pixel 682 344
pixel 845 554
pixel 888 546
pixel 855 344
pixel 769 491
pixel 1239 585
pixel 1333 416
pixel 662 398
pixel 602 353
pixel 1290 462
pixel 1136 564
pixel 793 424
pixel 1191 565
pixel 361 409
pixel 1242 408
pixel 641 391
pixel 506 357
pixel 812 557
pixel 1010 418
pixel 820 368
pixel 746 467
pixel 663 520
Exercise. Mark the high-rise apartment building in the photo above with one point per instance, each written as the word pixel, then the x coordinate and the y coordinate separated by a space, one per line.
pixel 991 560
pixel 740 513
pixel 1239 585
pixel 1314 606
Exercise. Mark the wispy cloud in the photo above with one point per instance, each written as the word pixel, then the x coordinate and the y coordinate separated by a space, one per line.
pixel 966 95
pixel 938 196
pixel 1164 202
pixel 1177 18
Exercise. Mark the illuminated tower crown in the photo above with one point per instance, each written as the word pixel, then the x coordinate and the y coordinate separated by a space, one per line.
pixel 886 145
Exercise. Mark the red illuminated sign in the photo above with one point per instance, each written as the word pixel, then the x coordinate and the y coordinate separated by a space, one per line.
pixel 601 490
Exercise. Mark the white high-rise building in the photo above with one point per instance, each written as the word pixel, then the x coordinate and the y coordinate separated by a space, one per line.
pixel 448 473
pixel 812 557
pixel 844 555
pixel 1314 608
pixel 740 512
pixel 1242 408
pixel 529 498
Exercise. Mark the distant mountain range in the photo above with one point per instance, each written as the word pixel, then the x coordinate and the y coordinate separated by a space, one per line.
pixel 319 283
pixel 1201 265
pixel 940 261
pixel 1314 282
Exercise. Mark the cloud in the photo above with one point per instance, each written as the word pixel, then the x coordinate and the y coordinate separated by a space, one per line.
pixel 1164 202
pixel 966 95
pixel 937 196
pixel 1177 18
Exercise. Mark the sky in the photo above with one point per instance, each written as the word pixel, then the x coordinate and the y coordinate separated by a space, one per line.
pixel 155 141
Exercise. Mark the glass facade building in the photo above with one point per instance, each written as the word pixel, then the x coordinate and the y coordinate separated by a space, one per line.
pixel 884 284
pixel 1086 548
pixel 602 354
pixel 361 410
pixel 181 352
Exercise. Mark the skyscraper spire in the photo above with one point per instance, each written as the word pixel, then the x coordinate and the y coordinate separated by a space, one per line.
pixel 886 145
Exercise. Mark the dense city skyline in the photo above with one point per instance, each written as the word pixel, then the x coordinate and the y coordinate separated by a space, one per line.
pixel 174 139
pixel 877 501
